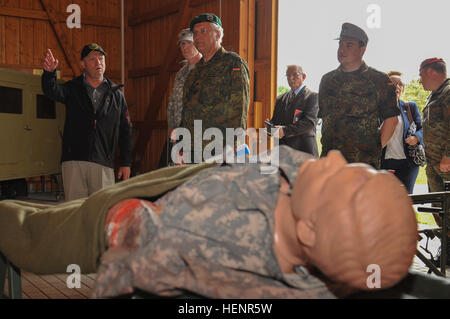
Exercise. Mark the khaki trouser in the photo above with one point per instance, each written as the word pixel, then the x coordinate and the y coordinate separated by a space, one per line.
pixel 82 179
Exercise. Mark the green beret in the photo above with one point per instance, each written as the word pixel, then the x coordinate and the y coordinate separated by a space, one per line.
pixel 205 17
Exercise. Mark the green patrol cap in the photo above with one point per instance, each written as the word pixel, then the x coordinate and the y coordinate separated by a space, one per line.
pixel 351 31
pixel 205 17
pixel 88 48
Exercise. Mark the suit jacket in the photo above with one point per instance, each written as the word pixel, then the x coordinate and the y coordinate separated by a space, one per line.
pixel 299 118
pixel 419 131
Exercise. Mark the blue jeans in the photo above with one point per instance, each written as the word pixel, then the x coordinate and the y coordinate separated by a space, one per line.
pixel 405 172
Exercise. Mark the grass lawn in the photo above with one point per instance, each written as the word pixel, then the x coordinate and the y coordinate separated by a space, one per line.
pixel 422 177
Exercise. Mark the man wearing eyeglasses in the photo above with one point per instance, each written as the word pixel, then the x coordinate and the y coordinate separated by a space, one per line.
pixel 295 113
pixel 217 90
pixel 97 121
pixel 358 104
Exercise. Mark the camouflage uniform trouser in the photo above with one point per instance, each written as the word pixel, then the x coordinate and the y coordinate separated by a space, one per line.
pixel 436 180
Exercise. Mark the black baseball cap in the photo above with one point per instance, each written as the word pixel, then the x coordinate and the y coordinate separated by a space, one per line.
pixel 88 48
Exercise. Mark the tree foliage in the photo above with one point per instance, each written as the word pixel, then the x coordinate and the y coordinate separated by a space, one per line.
pixel 282 89
pixel 414 92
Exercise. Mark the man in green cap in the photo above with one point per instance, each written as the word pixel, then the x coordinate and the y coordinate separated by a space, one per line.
pixel 97 121
pixel 216 91
pixel 354 101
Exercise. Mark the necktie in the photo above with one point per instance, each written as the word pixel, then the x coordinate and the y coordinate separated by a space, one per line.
pixel 291 97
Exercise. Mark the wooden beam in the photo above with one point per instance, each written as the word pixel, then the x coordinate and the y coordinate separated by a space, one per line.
pixel 151 71
pixel 262 64
pixel 61 18
pixel 142 72
pixel 247 50
pixel 61 36
pixel 23 13
pixel 154 14
pixel 196 3
pixel 112 74
pixel 162 12
pixel 160 88
pixel 274 59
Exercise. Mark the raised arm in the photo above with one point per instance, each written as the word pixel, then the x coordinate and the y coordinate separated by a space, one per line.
pixel 49 83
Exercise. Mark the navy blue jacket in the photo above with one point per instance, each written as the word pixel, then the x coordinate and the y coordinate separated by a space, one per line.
pixel 90 135
pixel 417 119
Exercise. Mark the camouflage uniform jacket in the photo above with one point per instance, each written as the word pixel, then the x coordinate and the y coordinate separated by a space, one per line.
pixel 215 239
pixel 352 105
pixel 175 105
pixel 435 121
pixel 217 92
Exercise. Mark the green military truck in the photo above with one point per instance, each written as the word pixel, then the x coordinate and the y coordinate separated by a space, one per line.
pixel 31 127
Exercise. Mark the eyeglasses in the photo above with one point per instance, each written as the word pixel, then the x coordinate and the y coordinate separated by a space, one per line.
pixel 295 75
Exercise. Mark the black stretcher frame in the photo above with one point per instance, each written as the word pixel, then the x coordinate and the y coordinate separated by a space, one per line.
pixel 443 211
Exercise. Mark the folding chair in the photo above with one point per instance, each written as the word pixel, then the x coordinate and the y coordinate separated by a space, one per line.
pixel 444 212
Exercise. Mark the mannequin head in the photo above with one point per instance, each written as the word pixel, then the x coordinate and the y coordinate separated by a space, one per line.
pixel 350 216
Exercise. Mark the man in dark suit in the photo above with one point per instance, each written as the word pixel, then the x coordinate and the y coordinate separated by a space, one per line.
pixel 295 113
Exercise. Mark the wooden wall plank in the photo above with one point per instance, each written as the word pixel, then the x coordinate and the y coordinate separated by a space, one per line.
pixel 2 40
pixel 11 3
pixel 150 36
pixel 25 25
pixel 26 46
pixel 26 4
pixel 150 23
pixel 12 40
pixel 62 36
pixel 40 41
pixel 160 87
pixel 61 17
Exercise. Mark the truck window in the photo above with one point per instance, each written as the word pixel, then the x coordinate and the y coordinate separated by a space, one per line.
pixel 11 100
pixel 45 107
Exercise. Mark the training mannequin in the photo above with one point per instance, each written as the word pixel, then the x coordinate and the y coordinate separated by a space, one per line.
pixel 349 216
pixel 336 217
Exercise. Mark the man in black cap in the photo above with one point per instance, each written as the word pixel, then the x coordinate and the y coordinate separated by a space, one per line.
pixel 354 100
pixel 97 120
pixel 217 90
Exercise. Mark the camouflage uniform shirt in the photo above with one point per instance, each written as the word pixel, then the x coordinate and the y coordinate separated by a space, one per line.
pixel 435 121
pixel 215 239
pixel 217 92
pixel 175 105
pixel 351 105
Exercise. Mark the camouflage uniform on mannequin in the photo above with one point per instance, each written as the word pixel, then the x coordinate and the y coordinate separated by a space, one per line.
pixel 233 232
pixel 352 103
